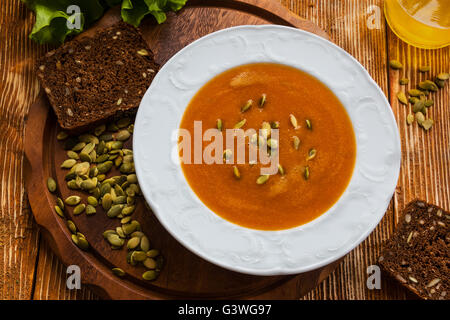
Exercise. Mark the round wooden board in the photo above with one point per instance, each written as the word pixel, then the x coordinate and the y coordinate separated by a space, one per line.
pixel 184 275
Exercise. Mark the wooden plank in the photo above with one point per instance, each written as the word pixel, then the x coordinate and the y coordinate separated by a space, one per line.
pixel 18 89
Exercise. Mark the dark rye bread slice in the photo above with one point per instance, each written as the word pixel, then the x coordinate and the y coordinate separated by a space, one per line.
pixel 93 79
pixel 418 254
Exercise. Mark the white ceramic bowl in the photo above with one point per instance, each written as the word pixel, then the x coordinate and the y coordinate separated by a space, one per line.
pixel 296 250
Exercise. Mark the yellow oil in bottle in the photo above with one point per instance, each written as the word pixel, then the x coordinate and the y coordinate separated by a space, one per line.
pixel 421 23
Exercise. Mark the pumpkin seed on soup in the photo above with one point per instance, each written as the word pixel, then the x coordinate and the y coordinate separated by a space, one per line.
pixel 262 100
pixel 247 105
pixel 236 172
pixel 240 124
pixel 262 179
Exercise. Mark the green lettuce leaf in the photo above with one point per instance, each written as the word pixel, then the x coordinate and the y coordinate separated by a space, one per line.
pixel 52 17
pixel 133 11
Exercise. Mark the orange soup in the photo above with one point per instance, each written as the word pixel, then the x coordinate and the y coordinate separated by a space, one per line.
pixel 316 146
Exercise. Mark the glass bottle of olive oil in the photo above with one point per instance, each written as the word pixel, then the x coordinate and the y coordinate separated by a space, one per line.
pixel 421 23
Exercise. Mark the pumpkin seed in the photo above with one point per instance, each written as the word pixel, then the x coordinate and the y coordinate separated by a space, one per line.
pixel 88 148
pixel 240 124
pixel 402 97
pixel 85 157
pixel 82 243
pixel 275 124
pixel 219 124
pixel 82 168
pixel 126 168
pixel 112 127
pixel 236 172
pixel 395 64
pixel 104 167
pixel 424 68
pixel 90 210
pixel 51 184
pixel 118 272
pixel 418 106
pixel 149 275
pixel 69 163
pixel 138 256
pixel 59 211
pixel 60 203
pixel 128 210
pixel 115 145
pixel 266 129
pixel 74 239
pixel 293 121
pixel 62 135
pixel 149 263
pixel 420 118
pixel 311 154
pixel 123 122
pixel 114 211
pixel 132 178
pixel 428 85
pixel 79 146
pixel 79 209
pixel 443 76
pixel 125 220
pixel 247 105
pixel 133 243
pixel 440 83
pixel 88 138
pixel 296 142
pixel 71 226
pixel 281 169
pixel 404 81
pixel 227 154
pixel 88 184
pixel 120 200
pixel 427 124
pixel 428 103
pixel 413 100
pixel 129 228
pixel 306 173
pixel 262 100
pixel 123 135
pixel 107 202
pixel 410 118
pixel 106 137
pixel 415 93
pixel 145 243
pixel 72 155
pixel 308 124
pixel 152 253
pixel 120 232
pixel 137 234
pixel 262 179
pixel 72 200
pixel 114 240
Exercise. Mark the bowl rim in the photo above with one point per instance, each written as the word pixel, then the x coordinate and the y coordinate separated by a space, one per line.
pixel 276 271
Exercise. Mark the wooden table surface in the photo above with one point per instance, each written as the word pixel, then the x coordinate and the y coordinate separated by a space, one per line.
pixel 29 270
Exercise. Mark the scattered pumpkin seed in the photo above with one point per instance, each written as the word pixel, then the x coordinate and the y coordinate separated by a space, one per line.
pixel 107 201
pixel 410 118
pixel 262 179
pixel 415 93
pixel 145 243
pixel 308 124
pixel 123 135
pixel 90 210
pixel 428 85
pixel 118 272
pixel 227 154
pixel 296 142
pixel 62 135
pixel 427 124
pixel 133 243
pixel 138 256
pixel 262 100
pixel 311 154
pixel 440 83
pixel 68 164
pixel 281 170
pixel 114 211
pixel 293 121
pixel 152 253
pixel 247 105
pixel 71 226
pixel 51 184
pixel 59 211
pixel 272 143
pixel 72 200
pixel 149 275
pixel 418 106
pixel 395 64
pixel 149 263
pixel 240 124
pixel 306 173
pixel 402 97
pixel 443 76
pixel 275 124
pixel 219 124
pixel 104 167
pixel 420 118
pixel 404 81
pixel 79 209
pixel 424 68
pixel 236 172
